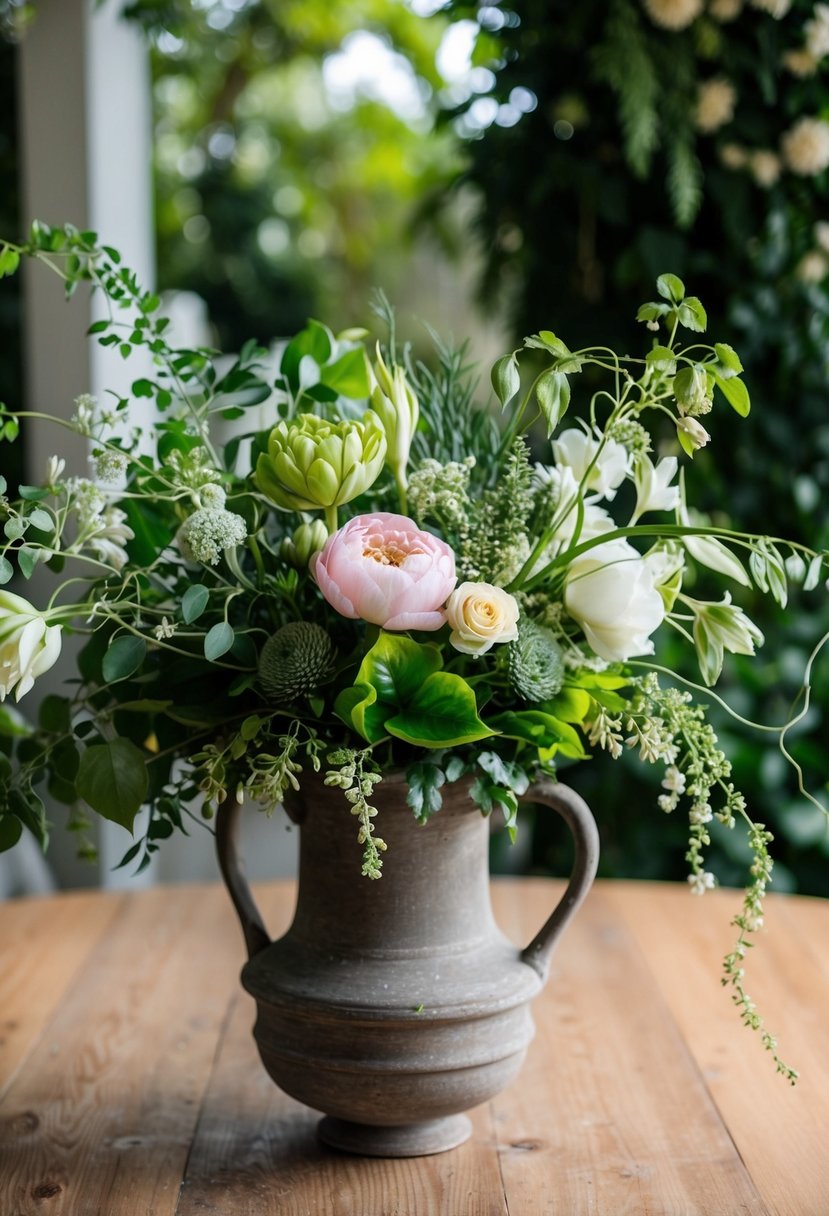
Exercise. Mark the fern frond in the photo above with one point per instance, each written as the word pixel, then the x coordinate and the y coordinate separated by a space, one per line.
pixel 623 61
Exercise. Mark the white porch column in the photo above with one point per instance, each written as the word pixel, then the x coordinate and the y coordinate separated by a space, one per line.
pixel 86 144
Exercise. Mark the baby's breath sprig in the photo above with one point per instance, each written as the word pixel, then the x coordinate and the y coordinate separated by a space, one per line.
pixel 349 772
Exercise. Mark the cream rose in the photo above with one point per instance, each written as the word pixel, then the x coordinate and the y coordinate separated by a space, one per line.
pixel 481 615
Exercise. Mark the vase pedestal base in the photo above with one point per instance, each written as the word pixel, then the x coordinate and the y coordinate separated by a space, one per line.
pixel 410 1140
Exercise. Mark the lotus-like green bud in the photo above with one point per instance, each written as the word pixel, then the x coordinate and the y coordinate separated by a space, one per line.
pixel 536 666
pixel 307 540
pixel 295 661
pixel 397 407
pixel 312 463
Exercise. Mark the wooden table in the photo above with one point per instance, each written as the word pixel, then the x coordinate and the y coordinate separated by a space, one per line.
pixel 129 1083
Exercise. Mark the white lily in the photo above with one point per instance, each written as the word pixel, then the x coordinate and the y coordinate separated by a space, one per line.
pixel 653 489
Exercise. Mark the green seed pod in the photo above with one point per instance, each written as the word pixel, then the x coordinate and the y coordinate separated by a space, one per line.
pixel 295 661
pixel 536 666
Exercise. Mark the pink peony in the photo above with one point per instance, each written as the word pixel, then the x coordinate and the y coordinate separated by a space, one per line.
pixel 381 568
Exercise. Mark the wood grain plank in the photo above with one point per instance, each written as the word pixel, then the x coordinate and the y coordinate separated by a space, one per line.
pixel 780 1131
pixel 101 1118
pixel 43 943
pixel 256 1153
pixel 610 1115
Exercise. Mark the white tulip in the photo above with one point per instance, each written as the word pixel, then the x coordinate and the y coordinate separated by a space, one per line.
pixel 608 462
pixel 610 592
pixel 28 645
pixel 653 489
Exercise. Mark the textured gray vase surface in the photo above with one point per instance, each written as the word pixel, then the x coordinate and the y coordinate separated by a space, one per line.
pixel 394 1005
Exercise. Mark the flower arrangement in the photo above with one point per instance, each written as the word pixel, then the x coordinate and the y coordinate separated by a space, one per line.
pixel 344 564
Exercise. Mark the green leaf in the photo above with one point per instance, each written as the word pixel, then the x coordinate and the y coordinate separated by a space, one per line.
pixel 547 732
pixel 357 706
pixel 29 809
pixel 553 392
pixel 506 379
pixel 11 829
pixel 125 655
pixel 735 393
pixel 396 667
pixel 28 558
pixel 14 527
pixel 729 359
pixel 250 727
pixel 218 641
pixel 349 375
pixel 662 359
pixel 505 773
pixel 651 311
pixel 54 714
pixel 671 288
pixel 709 649
pixel 41 520
pixel 12 723
pixel 113 779
pixel 547 340
pixel 424 780
pixel 692 315
pixel 570 705
pixel 314 340
pixel 193 602
pixel 9 262
pixel 443 713
pixel 6 570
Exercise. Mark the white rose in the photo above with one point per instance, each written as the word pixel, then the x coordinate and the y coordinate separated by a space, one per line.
pixel 481 615
pixel 609 460
pixel 610 591
pixel 28 646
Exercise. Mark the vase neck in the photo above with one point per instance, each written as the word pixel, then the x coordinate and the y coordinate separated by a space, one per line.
pixel 434 892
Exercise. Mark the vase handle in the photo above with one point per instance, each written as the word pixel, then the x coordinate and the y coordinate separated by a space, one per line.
pixel 233 872
pixel 576 813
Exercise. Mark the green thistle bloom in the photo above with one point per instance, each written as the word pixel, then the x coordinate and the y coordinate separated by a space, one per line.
pixel 295 661
pixel 536 666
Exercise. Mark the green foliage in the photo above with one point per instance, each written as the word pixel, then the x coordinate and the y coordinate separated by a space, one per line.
pixel 400 690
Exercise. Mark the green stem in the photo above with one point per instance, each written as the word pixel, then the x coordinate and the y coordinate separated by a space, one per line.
pixel 331 520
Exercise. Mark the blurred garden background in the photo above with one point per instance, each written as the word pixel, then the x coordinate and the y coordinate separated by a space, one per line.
pixel 497 169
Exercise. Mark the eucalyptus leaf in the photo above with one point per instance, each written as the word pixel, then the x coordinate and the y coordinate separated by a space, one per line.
pixel 218 641
pixel 193 602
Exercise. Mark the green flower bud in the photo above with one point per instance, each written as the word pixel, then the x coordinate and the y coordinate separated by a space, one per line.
pixel 307 540
pixel 312 463
pixel 295 661
pixel 397 407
